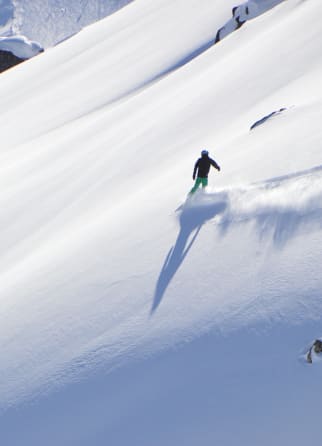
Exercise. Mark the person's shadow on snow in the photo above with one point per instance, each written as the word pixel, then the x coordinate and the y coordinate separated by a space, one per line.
pixel 191 220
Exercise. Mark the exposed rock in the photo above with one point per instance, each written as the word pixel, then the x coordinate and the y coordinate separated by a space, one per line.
pixel 239 23
pixel 265 118
pixel 16 49
pixel 236 16
pixel 239 17
pixel 316 348
pixel 8 60
pixel 244 12
pixel 217 39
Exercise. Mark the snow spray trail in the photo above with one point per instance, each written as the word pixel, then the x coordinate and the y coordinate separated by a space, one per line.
pixel 280 207
pixel 191 219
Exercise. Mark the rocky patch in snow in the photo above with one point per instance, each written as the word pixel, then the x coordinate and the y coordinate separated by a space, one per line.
pixel 242 13
pixel 16 49
pixel 265 118
pixel 315 351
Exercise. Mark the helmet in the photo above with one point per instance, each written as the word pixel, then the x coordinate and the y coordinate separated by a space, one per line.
pixel 204 152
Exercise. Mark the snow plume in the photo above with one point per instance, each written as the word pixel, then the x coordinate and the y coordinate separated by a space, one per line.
pixel 279 207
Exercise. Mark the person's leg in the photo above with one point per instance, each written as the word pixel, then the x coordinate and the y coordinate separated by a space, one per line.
pixel 204 182
pixel 195 187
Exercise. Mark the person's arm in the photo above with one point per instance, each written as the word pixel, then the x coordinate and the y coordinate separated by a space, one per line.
pixel 195 169
pixel 214 164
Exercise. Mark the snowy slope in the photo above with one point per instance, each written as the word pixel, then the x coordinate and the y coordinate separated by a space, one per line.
pixel 124 321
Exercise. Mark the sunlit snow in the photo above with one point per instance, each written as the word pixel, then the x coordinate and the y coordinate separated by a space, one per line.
pixel 128 316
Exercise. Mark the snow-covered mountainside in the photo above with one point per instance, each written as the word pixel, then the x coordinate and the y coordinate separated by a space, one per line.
pixel 129 316
pixel 51 21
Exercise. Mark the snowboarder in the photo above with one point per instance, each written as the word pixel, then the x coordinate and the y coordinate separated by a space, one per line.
pixel 202 166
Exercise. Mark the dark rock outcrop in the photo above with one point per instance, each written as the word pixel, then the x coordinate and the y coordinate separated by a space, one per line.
pixel 15 49
pixel 316 348
pixel 236 20
pixel 8 60
pixel 265 118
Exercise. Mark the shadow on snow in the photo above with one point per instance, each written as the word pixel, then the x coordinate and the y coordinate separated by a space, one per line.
pixel 191 221
pixel 280 208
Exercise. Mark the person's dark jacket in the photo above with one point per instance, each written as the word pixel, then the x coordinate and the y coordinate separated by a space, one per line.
pixel 203 166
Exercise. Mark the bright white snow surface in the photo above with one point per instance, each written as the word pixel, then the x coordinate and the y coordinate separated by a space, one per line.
pixel 123 321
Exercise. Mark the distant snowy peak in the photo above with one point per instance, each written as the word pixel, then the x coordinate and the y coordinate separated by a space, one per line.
pixel 52 21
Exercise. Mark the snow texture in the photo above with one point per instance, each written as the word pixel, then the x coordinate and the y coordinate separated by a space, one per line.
pixel 123 321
